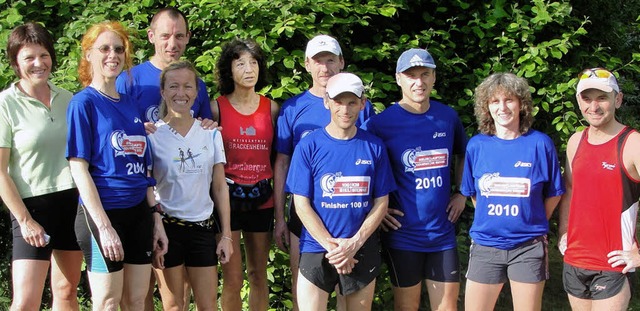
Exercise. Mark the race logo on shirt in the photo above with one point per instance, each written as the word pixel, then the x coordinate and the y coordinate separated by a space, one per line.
pixel 187 161
pixel 340 186
pixel 492 184
pixel 152 114
pixel 418 159
pixel 125 144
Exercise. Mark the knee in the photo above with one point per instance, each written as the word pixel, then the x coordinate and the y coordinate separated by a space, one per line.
pixel 25 304
pixel 64 290
pixel 257 278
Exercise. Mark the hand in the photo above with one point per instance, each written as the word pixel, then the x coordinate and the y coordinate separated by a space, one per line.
pixel 342 250
pixel 630 259
pixel 224 250
pixel 281 235
pixel 457 202
pixel 158 260
pixel 160 240
pixel 562 244
pixel 150 127
pixel 390 222
pixel 111 245
pixel 209 124
pixel 33 233
pixel 348 267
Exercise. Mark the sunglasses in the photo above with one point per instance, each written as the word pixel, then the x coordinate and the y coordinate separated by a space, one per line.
pixel 105 49
pixel 595 72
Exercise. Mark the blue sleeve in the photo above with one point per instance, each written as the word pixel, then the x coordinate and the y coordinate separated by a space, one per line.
pixel 79 131
pixel 467 186
pixel 123 82
pixel 204 111
pixel 284 132
pixel 300 177
pixel 555 186
pixel 366 113
pixel 384 182
pixel 460 137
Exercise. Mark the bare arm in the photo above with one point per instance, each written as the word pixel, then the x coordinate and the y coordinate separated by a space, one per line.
pixel 220 191
pixel 312 222
pixel 550 204
pixel 111 245
pixel 31 230
pixel 160 240
pixel 565 200
pixel 280 171
pixel 457 201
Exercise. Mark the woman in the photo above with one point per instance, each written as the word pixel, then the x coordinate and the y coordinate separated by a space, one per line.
pixel 513 177
pixel 188 161
pixel 108 157
pixel 35 181
pixel 248 119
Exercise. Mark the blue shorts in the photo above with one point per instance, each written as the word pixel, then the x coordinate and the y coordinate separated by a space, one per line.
pixel 408 268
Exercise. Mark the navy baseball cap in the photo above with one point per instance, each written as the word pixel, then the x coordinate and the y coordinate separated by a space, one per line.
pixel 415 58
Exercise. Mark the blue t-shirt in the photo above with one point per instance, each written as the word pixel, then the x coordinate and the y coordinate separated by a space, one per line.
pixel 510 180
pixel 110 136
pixel 420 149
pixel 341 178
pixel 142 83
pixel 301 115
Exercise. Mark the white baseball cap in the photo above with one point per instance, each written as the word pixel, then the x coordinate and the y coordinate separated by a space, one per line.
pixel 322 43
pixel 344 82
pixel 597 78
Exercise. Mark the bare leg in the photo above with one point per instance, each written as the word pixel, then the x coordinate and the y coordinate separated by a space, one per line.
pixel 28 282
pixel 480 296
pixel 171 285
pixel 527 296
pixel 406 298
pixel 315 299
pixel 233 276
pixel 257 246
pixel 135 286
pixel 204 281
pixel 294 262
pixel 106 290
pixel 65 276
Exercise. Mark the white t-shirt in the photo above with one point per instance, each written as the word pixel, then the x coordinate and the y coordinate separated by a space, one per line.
pixel 183 169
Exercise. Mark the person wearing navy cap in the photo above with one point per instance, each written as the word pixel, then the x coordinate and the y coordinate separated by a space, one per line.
pixel 423 136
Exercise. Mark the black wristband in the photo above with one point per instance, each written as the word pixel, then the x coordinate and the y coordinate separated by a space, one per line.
pixel 156 208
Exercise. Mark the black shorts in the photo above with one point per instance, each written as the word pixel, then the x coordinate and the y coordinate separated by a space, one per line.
pixel 293 222
pixel 192 246
pixel 317 269
pixel 55 212
pixel 408 268
pixel 592 284
pixel 134 226
pixel 260 220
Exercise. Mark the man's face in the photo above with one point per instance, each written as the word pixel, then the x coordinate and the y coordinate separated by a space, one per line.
pixel 323 66
pixel 345 109
pixel 598 107
pixel 416 83
pixel 169 37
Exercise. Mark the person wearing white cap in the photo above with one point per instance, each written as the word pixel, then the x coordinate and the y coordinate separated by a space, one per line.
pixel 340 178
pixel 598 213
pixel 422 136
pixel 299 116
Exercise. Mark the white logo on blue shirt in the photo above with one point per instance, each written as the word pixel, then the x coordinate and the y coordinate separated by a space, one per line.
pixel 338 185
pixel 439 134
pixel 363 162
pixel 523 164
pixel 152 114
pixel 125 144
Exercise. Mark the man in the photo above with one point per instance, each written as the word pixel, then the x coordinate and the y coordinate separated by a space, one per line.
pixel 599 210
pixel 340 179
pixel 169 34
pixel 299 116
pixel 422 136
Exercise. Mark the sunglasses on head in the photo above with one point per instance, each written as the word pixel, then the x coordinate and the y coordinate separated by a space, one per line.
pixel 105 49
pixel 595 72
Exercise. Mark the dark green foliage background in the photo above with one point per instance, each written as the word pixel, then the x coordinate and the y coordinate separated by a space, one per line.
pixel 548 42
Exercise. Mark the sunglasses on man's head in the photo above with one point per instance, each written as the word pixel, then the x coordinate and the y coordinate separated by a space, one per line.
pixel 595 72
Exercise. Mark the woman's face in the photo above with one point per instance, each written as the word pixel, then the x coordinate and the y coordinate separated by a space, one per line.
pixel 179 91
pixel 505 111
pixel 106 56
pixel 34 64
pixel 245 71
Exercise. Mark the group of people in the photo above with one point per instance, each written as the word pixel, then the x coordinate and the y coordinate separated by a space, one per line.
pixel 152 173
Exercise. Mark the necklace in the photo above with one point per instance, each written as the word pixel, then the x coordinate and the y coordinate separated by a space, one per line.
pixel 109 97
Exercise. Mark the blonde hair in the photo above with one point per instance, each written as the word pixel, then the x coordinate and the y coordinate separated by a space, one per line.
pixel 85 74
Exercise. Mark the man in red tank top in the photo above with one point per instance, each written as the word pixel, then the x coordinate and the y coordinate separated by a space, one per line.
pixel 598 211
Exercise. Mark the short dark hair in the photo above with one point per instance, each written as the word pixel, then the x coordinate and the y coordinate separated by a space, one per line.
pixel 29 33
pixel 173 12
pixel 231 51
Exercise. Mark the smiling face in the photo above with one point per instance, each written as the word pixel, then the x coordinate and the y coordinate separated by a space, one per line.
pixel 106 57
pixel 323 66
pixel 179 91
pixel 34 64
pixel 599 107
pixel 416 84
pixel 345 109
pixel 245 71
pixel 505 111
pixel 169 37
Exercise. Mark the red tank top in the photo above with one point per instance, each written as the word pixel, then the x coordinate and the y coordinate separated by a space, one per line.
pixel 604 204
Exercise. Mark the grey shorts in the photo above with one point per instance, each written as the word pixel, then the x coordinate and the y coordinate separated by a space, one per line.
pixel 592 284
pixel 317 269
pixel 527 263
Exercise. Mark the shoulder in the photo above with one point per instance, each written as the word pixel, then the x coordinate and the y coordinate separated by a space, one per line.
pixel 443 109
pixel 8 94
pixel 294 101
pixel 633 143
